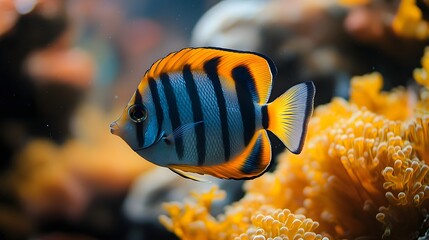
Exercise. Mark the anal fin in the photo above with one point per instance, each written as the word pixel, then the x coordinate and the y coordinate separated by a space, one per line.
pixel 251 163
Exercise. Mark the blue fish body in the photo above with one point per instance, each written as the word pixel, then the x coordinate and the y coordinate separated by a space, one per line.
pixel 205 110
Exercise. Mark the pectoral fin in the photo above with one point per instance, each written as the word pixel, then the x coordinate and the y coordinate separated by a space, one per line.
pixel 182 130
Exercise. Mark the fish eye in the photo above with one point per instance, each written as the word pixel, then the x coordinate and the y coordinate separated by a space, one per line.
pixel 137 113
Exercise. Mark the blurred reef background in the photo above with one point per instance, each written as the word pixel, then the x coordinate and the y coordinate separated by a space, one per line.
pixel 68 67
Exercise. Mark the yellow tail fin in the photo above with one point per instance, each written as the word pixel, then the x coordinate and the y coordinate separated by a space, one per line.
pixel 288 115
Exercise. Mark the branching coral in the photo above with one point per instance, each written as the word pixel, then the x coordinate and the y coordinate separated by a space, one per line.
pixel 363 173
pixel 408 21
pixel 365 92
pixel 421 74
pixel 249 219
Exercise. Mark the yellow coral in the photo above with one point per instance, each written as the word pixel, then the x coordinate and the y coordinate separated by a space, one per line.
pixel 365 92
pixel 192 220
pixel 422 78
pixel 421 74
pixel 408 21
pixel 418 135
pixel 280 224
pixel 248 220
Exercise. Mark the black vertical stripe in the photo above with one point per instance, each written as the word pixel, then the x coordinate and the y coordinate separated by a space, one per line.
pixel 210 67
pixel 139 125
pixel 173 111
pixel 140 135
pixel 242 76
pixel 197 111
pixel 138 98
pixel 265 118
pixel 157 102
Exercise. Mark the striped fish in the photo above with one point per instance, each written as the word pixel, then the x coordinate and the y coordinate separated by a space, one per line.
pixel 205 110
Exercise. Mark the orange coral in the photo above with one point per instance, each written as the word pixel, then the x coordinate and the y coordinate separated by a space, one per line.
pixel 280 224
pixel 365 92
pixel 421 74
pixel 250 219
pixel 408 21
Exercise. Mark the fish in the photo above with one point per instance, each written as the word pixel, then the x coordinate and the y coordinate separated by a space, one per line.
pixel 205 111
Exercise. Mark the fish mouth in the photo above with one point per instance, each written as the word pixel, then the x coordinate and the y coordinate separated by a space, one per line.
pixel 114 128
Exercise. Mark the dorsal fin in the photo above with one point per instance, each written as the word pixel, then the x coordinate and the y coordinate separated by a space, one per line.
pixel 256 69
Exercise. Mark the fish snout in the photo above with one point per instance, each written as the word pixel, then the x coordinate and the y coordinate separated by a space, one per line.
pixel 114 128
